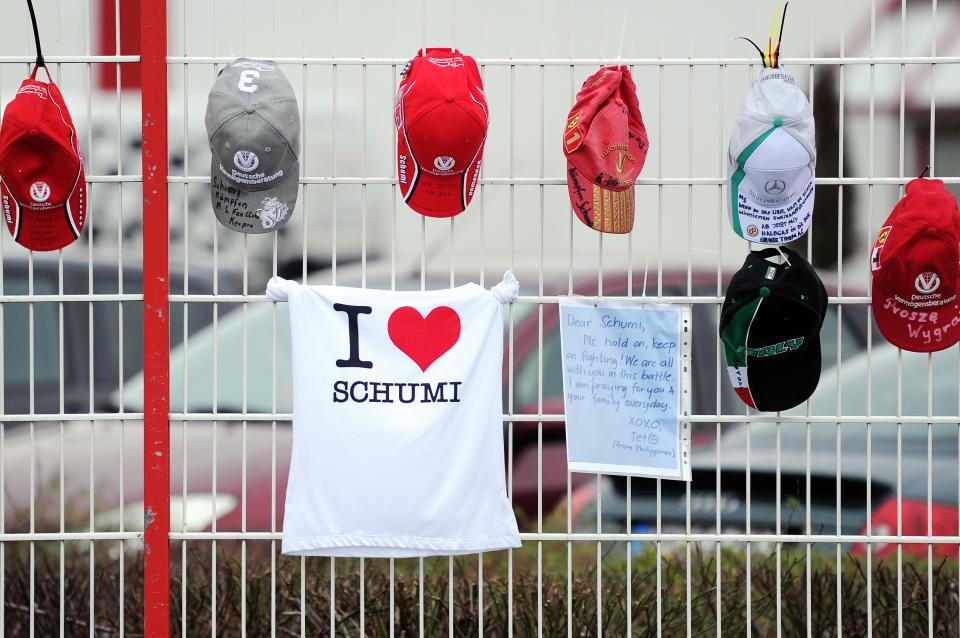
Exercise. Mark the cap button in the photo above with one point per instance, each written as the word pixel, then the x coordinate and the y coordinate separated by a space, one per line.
pixel 249 108
pixel 778 121
pixel 764 292
pixel 449 99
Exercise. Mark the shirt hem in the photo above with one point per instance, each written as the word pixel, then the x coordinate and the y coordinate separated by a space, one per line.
pixel 394 546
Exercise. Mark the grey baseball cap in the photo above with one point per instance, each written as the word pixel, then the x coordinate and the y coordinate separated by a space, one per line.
pixel 253 124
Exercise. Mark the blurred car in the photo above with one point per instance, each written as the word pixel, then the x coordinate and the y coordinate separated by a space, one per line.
pixel 884 456
pixel 94 364
pixel 848 328
pixel 241 365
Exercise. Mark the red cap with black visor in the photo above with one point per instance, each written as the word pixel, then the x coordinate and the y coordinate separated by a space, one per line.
pixel 915 263
pixel 42 186
pixel 441 116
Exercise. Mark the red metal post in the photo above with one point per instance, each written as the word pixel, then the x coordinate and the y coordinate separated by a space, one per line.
pixel 156 329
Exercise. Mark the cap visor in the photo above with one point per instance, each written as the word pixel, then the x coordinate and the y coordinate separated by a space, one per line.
pixel 436 195
pixel 773 207
pixel 444 195
pixel 913 329
pixel 253 211
pixel 779 383
pixel 602 209
pixel 50 229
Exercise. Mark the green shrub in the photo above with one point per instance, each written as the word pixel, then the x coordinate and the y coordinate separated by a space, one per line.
pixel 550 599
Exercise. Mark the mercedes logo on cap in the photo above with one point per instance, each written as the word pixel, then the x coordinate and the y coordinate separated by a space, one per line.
pixel 775 187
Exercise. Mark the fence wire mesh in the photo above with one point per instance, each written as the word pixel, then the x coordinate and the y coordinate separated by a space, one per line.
pixel 840 517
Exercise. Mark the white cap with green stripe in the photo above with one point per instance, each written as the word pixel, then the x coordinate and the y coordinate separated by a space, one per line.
pixel 772 160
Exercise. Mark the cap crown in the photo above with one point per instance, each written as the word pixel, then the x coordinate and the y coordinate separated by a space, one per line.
pixel 774 97
pixel 916 256
pixel 794 285
pixel 605 138
pixel 253 124
pixel 442 111
pixel 40 158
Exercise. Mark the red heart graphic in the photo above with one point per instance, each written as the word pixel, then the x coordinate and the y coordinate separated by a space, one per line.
pixel 424 339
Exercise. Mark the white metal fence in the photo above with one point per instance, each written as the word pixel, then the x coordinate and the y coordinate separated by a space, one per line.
pixel 862 479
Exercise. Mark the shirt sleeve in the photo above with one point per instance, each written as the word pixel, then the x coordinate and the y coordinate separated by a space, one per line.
pixel 507 290
pixel 278 288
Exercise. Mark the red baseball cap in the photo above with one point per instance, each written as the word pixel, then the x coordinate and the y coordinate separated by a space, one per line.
pixel 42 186
pixel 915 263
pixel 606 145
pixel 441 117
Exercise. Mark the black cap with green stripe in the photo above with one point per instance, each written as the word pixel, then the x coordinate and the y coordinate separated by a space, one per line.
pixel 770 329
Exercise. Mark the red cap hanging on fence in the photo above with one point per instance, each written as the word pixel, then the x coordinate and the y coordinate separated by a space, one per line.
pixel 42 185
pixel 915 263
pixel 605 143
pixel 441 117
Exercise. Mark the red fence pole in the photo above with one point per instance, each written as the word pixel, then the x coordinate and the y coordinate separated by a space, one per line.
pixel 156 330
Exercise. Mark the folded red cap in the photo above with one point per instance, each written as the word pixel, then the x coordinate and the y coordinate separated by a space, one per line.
pixel 606 145
pixel 42 187
pixel 915 264
pixel 441 117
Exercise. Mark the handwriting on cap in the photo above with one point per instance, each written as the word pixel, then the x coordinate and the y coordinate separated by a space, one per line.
pixel 235 211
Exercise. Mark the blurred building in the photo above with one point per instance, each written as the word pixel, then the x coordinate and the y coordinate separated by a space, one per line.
pixel 349 208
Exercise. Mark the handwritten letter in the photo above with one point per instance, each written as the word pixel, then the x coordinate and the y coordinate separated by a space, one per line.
pixel 622 374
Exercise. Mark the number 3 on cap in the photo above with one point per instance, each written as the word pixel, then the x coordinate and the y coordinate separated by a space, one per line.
pixel 247 78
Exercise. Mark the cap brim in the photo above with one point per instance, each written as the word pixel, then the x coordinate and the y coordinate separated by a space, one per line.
pixel 50 229
pixel 778 384
pixel 772 348
pixel 253 211
pixel 771 220
pixel 602 209
pixel 913 329
pixel 435 195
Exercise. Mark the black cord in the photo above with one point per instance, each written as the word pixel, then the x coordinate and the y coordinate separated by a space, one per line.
pixel 763 58
pixel 783 19
pixel 36 34
pixel 925 171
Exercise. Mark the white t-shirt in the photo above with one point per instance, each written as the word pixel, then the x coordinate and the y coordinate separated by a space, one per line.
pixel 397 421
